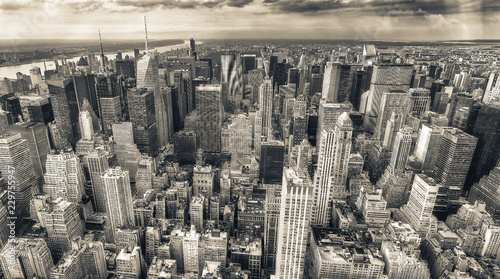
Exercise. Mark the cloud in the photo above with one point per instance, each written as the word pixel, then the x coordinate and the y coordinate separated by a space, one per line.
pixel 10 6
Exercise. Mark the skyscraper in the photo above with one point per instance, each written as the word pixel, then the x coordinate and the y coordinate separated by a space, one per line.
pixel 488 191
pixel 420 100
pixel 141 104
pixel 392 102
pixel 62 222
pixel 328 115
pixel 210 114
pixel 294 224
pixel 15 161
pixel 454 158
pixel 331 174
pixel 64 177
pixel 271 162
pixel 418 210
pixel 266 97
pixel 385 78
pixel 119 207
pixel 331 80
pixel 271 224
pixel 147 77
pixel 97 164
pixel 31 256
pixel 65 108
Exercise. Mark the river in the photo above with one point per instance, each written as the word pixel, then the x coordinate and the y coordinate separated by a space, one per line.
pixel 10 71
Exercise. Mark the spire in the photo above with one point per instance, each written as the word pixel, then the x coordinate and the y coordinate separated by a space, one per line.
pixel 102 53
pixel 146 29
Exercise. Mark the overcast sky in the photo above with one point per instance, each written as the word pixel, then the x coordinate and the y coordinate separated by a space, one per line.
pixel 315 19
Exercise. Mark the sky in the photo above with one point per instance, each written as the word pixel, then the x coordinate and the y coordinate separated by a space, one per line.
pixel 393 20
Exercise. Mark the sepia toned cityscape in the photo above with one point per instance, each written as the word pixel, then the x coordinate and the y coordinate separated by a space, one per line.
pixel 239 157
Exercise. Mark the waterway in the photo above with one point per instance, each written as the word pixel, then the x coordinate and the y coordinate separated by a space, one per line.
pixel 10 71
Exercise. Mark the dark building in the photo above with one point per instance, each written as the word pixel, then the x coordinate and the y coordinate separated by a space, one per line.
pixel 249 62
pixel 85 89
pixel 272 60
pixel 142 115
pixel 487 131
pixel 125 68
pixel 271 162
pixel 65 107
pixel 280 74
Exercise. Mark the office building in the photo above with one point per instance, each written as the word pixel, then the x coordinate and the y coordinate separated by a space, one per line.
pixel 420 100
pixel 196 209
pixel 15 160
pixel 294 224
pixel 330 177
pixel 62 222
pixel 328 115
pixel 31 256
pixel 118 198
pixel 142 115
pixel 64 177
pixel 266 97
pixel 271 162
pixel 385 78
pixel 209 116
pixel 203 180
pixel 97 164
pixel 396 102
pixel 331 80
pixel 130 264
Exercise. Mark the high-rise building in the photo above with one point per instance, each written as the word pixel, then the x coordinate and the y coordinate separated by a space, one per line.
pixel 111 112
pixel 266 97
pixel 209 116
pixel 196 212
pixel 15 161
pixel 141 104
pixel 255 79
pixel 331 80
pixel 400 151
pixel 36 76
pixel 328 115
pixel 400 265
pixel 385 77
pixel 428 143
pixel 97 164
pixel 203 180
pixel 487 190
pixel 147 77
pixel 373 207
pixel 487 131
pixel 454 158
pixel 420 100
pixel 144 177
pixel 38 143
pixel 130 264
pixel 70 266
pixel 232 77
pixel 31 256
pixel 294 224
pixel 119 207
pixel 65 108
pixel 93 258
pixel 271 222
pixel 418 211
pixel 64 177
pixel 62 222
pixel 153 241
pixel 330 177
pixel 392 102
pixel 190 248
pixel 272 157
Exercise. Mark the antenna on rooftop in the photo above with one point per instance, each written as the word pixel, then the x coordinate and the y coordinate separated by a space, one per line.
pixel 146 29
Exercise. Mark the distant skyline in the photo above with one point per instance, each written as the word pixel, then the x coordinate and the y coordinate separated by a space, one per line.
pixel 405 20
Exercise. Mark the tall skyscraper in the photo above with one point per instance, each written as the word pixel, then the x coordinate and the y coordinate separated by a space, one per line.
pixel 266 97
pixel 271 224
pixel 64 177
pixel 31 256
pixel 119 207
pixel 454 158
pixel 392 102
pixel 141 104
pixel 65 108
pixel 331 80
pixel 418 210
pixel 15 161
pixel 272 156
pixel 487 190
pixel 420 100
pixel 97 164
pixel 294 224
pixel 38 143
pixel 330 177
pixel 147 77
pixel 62 222
pixel 209 116
pixel 328 115
pixel 400 151
pixel 111 112
pixel 428 143
pixel 232 77
pixel 385 78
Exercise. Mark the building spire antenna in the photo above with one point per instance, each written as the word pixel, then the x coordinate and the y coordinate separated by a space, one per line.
pixel 146 29
pixel 102 52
